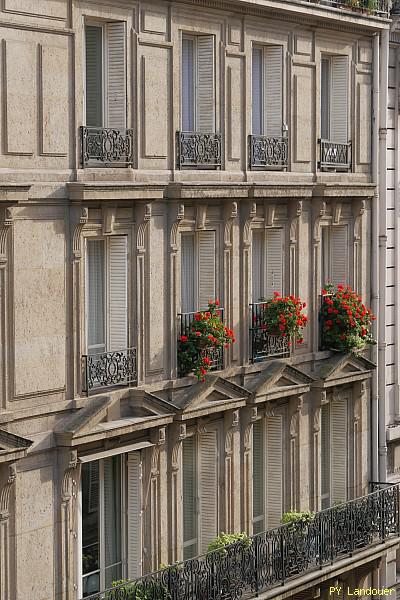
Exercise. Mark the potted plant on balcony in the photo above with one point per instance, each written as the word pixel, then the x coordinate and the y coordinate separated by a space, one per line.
pixel 345 321
pixel 206 334
pixel 283 316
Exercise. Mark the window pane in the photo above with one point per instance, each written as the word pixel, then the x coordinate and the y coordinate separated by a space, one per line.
pixel 112 511
pixel 96 299
pixel 257 100
pixel 189 498
pixel 325 88
pixel 187 84
pixel 90 525
pixel 94 76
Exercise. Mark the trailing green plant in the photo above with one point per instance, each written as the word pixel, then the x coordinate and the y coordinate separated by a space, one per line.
pixel 302 518
pixel 346 322
pixel 283 316
pixel 137 590
pixel 207 332
pixel 227 539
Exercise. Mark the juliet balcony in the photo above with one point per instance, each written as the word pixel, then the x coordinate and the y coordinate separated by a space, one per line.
pixel 105 147
pixel 109 369
pixel 335 156
pixel 197 150
pixel 216 355
pixel 275 557
pixel 268 153
pixel 377 8
pixel 262 344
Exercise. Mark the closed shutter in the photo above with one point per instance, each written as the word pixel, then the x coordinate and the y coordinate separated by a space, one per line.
pixel 339 99
pixel 206 268
pixel 339 452
pixel 96 339
pixel 189 500
pixel 134 529
pixel 258 477
pixel 118 300
pixel 257 265
pixel 94 76
pixel 116 75
pixel 205 84
pixel 273 90
pixel 208 476
pixel 325 95
pixel 257 95
pixel 188 84
pixel 339 254
pixel 325 456
pixel 274 475
pixel 274 261
pixel 188 273
pixel 93 488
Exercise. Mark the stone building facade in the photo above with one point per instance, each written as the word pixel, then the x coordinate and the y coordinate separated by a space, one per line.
pixel 155 155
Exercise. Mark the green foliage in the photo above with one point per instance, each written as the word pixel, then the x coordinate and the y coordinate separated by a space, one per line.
pixel 226 539
pixel 302 518
pixel 283 316
pixel 137 590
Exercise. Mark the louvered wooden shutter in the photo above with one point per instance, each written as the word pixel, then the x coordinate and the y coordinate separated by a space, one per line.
pixel 339 449
pixel 339 254
pixel 93 485
pixel 112 512
pixel 117 289
pixel 189 501
pixel 325 456
pixel 274 261
pixel 273 81
pixel 206 268
pixel 188 84
pixel 257 265
pixel 208 476
pixel 274 475
pixel 94 76
pixel 205 84
pixel 116 75
pixel 257 94
pixel 96 338
pixel 258 477
pixel 188 273
pixel 134 529
pixel 325 94
pixel 339 99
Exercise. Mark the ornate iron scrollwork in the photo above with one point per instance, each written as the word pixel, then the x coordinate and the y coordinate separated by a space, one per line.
pixel 106 146
pixel 199 150
pixel 107 369
pixel 335 155
pixel 268 152
pixel 215 354
pixel 262 344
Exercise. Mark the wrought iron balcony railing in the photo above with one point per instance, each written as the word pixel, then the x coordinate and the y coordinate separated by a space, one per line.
pixel 216 355
pixel 377 8
pixel 268 152
pixel 335 155
pixel 262 344
pixel 107 369
pixel 102 147
pixel 274 556
pixel 198 150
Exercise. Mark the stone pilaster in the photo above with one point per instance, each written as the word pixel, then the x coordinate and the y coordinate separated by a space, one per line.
pixel 174 284
pixel 69 528
pixel 232 471
pixel 248 418
pixel 5 545
pixel 176 495
pixel 79 221
pixel 143 216
pixel 6 221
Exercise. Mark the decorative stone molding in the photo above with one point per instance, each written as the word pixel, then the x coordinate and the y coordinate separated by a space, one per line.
pixel 77 233
pixel 296 208
pixel 269 213
pixel 69 495
pixel 180 215
pixel 6 221
pixel 336 212
pixel 144 216
pixel 231 212
pixel 317 419
pixel 201 216
pixel 319 214
pixel 176 451
pixel 109 214
pixel 249 218
pixel 68 483
pixel 5 493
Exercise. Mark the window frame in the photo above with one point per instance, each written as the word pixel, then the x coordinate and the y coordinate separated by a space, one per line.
pixel 329 58
pixel 263 230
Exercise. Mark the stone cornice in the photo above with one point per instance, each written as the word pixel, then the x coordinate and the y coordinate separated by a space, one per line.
pixel 114 192
pixel 13 193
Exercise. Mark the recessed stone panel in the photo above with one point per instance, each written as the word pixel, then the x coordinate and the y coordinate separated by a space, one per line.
pixel 155 105
pixel 54 101
pixel 52 9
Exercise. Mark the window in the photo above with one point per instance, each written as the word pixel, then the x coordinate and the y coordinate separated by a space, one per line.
pixel 334 99
pixel 198 83
pixel 334 451
pixel 198 270
pixel 267 263
pixel 335 255
pixel 105 493
pixel 200 492
pixel 106 304
pixel 105 96
pixel 267 90
pixel 267 473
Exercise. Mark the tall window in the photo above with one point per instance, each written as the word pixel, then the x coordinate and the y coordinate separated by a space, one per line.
pixel 106 304
pixel 198 83
pixel 334 451
pixel 200 492
pixel 110 504
pixel 267 263
pixel 334 98
pixel 267 90
pixel 335 254
pixel 105 93
pixel 268 456
pixel 198 270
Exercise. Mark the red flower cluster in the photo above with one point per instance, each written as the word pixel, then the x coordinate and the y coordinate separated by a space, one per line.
pixel 346 322
pixel 283 316
pixel 206 333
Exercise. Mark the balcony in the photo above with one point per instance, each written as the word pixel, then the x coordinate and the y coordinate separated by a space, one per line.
pixel 216 355
pixel 263 345
pixel 197 150
pixel 268 152
pixel 109 369
pixel 273 557
pixel 103 147
pixel 377 8
pixel 335 155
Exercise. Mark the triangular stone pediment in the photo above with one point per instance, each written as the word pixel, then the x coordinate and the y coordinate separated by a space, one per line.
pixel 278 378
pixel 342 368
pixel 215 391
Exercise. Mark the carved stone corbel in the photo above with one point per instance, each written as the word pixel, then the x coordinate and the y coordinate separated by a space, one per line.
pixel 173 237
pixel 143 219
pixel 269 214
pixel 201 216
pixel 249 218
pixel 6 221
pixel 358 211
pixel 69 494
pixel 336 212
pixel 296 208
pixel 77 233
pixel 5 493
pixel 319 213
pixel 109 214
pixel 231 212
